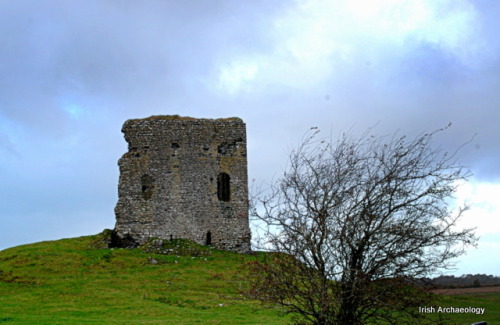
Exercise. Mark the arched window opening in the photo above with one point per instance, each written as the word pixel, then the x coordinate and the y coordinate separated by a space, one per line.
pixel 223 187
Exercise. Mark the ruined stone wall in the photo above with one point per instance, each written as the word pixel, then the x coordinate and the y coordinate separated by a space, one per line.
pixel 184 178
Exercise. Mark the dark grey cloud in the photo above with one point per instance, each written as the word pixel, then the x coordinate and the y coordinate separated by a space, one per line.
pixel 123 53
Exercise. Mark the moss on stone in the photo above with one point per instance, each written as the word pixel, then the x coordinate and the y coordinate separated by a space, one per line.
pixel 177 247
pixel 101 240
pixel 182 118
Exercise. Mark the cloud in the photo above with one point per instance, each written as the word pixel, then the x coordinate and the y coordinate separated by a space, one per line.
pixel 316 40
pixel 484 206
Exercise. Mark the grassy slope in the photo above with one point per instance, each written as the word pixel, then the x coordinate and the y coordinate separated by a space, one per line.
pixel 489 301
pixel 66 282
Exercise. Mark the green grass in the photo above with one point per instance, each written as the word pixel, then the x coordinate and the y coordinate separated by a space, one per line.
pixel 489 301
pixel 68 282
pixel 78 281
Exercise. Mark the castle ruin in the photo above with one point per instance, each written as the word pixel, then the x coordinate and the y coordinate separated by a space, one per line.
pixel 184 178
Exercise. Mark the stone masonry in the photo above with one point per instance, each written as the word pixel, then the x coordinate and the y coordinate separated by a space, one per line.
pixel 184 178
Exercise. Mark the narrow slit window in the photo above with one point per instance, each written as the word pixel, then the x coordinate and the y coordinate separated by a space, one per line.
pixel 223 187
pixel 147 184
pixel 208 241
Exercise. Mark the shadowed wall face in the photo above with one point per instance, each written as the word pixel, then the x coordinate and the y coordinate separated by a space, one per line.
pixel 184 178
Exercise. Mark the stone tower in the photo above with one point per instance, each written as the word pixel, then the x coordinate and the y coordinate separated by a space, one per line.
pixel 184 178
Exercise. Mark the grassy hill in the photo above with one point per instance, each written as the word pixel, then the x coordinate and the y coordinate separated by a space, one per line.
pixel 78 281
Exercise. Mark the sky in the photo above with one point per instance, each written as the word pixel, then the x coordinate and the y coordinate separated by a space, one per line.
pixel 72 72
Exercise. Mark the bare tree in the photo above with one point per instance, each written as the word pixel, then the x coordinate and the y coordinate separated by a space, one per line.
pixel 354 224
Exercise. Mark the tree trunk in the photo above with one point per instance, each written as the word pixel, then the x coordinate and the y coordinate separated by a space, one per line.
pixel 348 306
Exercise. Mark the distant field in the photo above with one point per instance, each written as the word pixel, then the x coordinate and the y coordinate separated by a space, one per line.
pixel 74 281
pixel 483 297
pixel 461 291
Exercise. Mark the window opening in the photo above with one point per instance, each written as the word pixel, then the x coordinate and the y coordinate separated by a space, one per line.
pixel 208 242
pixel 223 187
pixel 147 186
